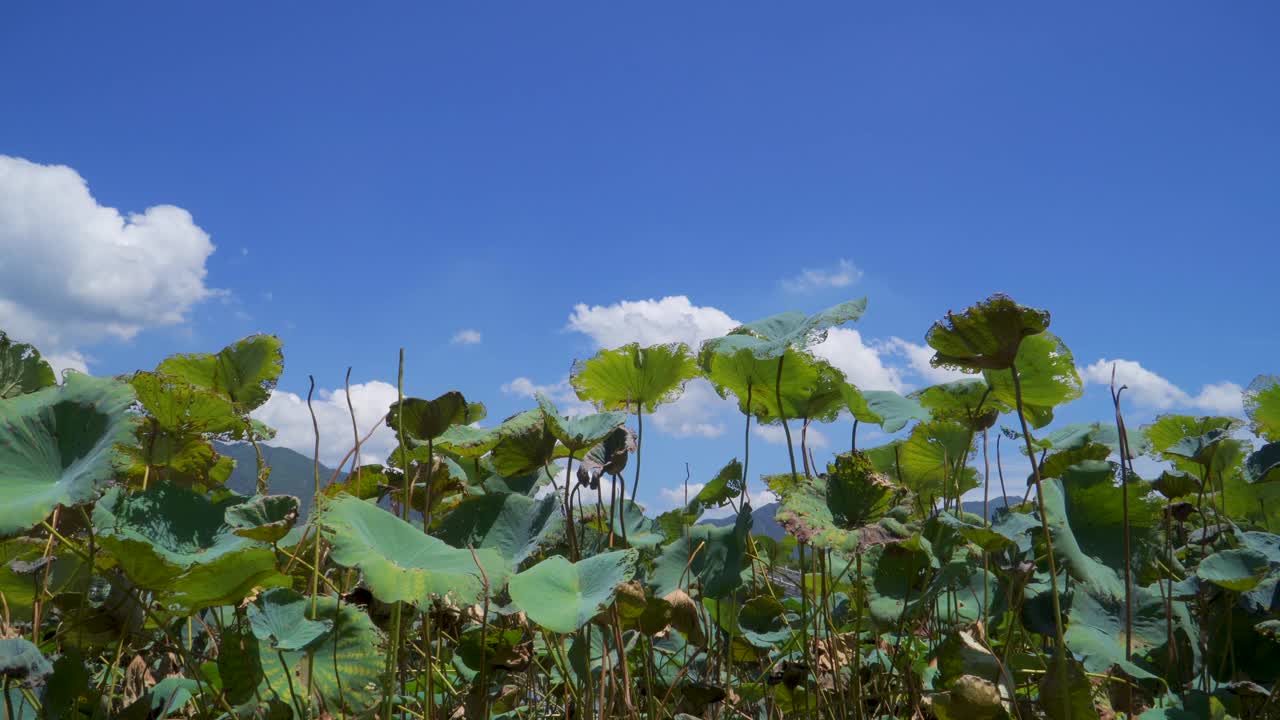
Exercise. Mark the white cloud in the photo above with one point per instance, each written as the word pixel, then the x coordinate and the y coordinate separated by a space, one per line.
pixel 466 337
pixel 843 275
pixel 775 435
pixel 675 497
pixel 650 322
pixel 918 357
pixel 287 413
pixel 1150 390
pixel 861 364
pixel 697 413
pixel 69 360
pixel 73 271
pixel 560 393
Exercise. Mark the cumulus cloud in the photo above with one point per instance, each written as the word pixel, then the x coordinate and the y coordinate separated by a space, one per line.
pixel 466 337
pixel 918 357
pixel 843 274
pixel 560 393
pixel 650 322
pixel 287 413
pixel 862 364
pixel 69 360
pixel 775 435
pixel 1150 390
pixel 73 271
pixel 697 413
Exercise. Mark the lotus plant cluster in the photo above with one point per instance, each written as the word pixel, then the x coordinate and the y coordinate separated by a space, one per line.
pixel 504 569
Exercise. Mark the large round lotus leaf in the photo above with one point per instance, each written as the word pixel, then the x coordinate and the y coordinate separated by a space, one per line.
pixel 827 511
pixel 898 575
pixel 824 399
pixel 885 408
pixel 467 441
pixel 1262 405
pixel 525 445
pixel 515 526
pixel 763 621
pixel 631 376
pixel 22 661
pixel 176 405
pixel 528 484
pixel 278 619
pixel 1263 465
pixel 986 336
pixel 931 461
pixel 1096 627
pixel 769 338
pixel 726 485
pixel 744 376
pixel 399 563
pixel 1167 430
pixel 1174 484
pixel 968 402
pixel 1056 464
pixel 579 433
pixel 1047 372
pixel 22 370
pixel 345 662
pixel 243 373
pixel 1077 435
pixel 58 446
pixel 562 596
pixel 1065 691
pixel 264 518
pixel 1238 570
pixel 177 544
pixel 717 566
pixel 423 420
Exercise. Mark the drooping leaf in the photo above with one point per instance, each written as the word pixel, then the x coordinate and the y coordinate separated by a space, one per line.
pixel 1239 570
pixel 717 565
pixel 58 446
pixel 1263 465
pixel 763 621
pixel 468 441
pixel 515 526
pixel 631 376
pixel 421 420
pixel 1167 430
pixel 932 460
pixel 525 445
pixel 769 338
pixel 244 373
pixel 720 489
pixel 968 402
pixel 986 336
pixel 755 383
pixel 1174 484
pixel 562 596
pixel 176 405
pixel 579 433
pixel 264 518
pixel 885 408
pixel 177 543
pixel 399 563
pixel 22 370
pixel 279 620
pixel 1047 373
pixel 1262 405
pixel 610 456
pixel 826 512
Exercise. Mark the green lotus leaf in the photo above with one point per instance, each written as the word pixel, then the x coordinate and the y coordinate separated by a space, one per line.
pixel 22 661
pixel 824 399
pixel 263 518
pixel 22 568
pixel 579 433
pixel 968 402
pixel 345 663
pixel 897 579
pixel 746 377
pixel 58 446
pixel 769 338
pixel 1047 372
pixel 763 621
pixel 717 566
pixel 1198 448
pixel 22 370
pixel 525 444
pixel 562 596
pixel 726 485
pixel 1077 435
pixel 1239 570
pixel 177 406
pixel 931 461
pixel 1057 463
pixel 1262 406
pixel 421 420
pixel 243 373
pixel 1085 516
pixel 1269 629
pixel 366 481
pixel 1065 691
pixel 631 376
pixel 826 512
pixel 177 543
pixel 885 408
pixel 528 484
pixel 985 538
pixel 986 336
pixel 1263 465
pixel 1174 484
pixel 515 526
pixel 1167 430
pixel 642 532
pixel 399 563
pixel 278 619
pixel 610 456
pixel 468 441
pixel 1096 632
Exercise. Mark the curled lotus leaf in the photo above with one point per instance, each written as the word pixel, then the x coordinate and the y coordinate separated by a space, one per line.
pixel 579 433
pixel 1239 569
pixel 420 420
pixel 1262 406
pixel 632 377
pixel 755 383
pixel 770 338
pixel 721 554
pixel 610 456
pixel 1263 465
pixel 22 370
pixel 562 596
pixel 60 446
pixel 885 408
pixel 243 373
pixel 968 402
pixel 1175 484
pixel 1048 376
pixel 827 511
pixel 399 562
pixel 1168 430
pixel 525 445
pixel 177 406
pixel 986 336
pixel 279 620
pixel 22 661
pixel 515 526
pixel 263 518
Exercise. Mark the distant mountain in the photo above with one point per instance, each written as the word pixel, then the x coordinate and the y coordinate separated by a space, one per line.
pixel 975 506
pixel 292 473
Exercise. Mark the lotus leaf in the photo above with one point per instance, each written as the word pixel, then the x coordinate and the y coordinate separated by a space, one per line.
pixel 562 596
pixel 243 373
pixel 633 377
pixel 22 370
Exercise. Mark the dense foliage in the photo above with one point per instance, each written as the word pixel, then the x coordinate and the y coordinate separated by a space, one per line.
pixel 505 569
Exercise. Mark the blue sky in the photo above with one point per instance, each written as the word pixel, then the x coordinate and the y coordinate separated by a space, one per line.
pixel 388 178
